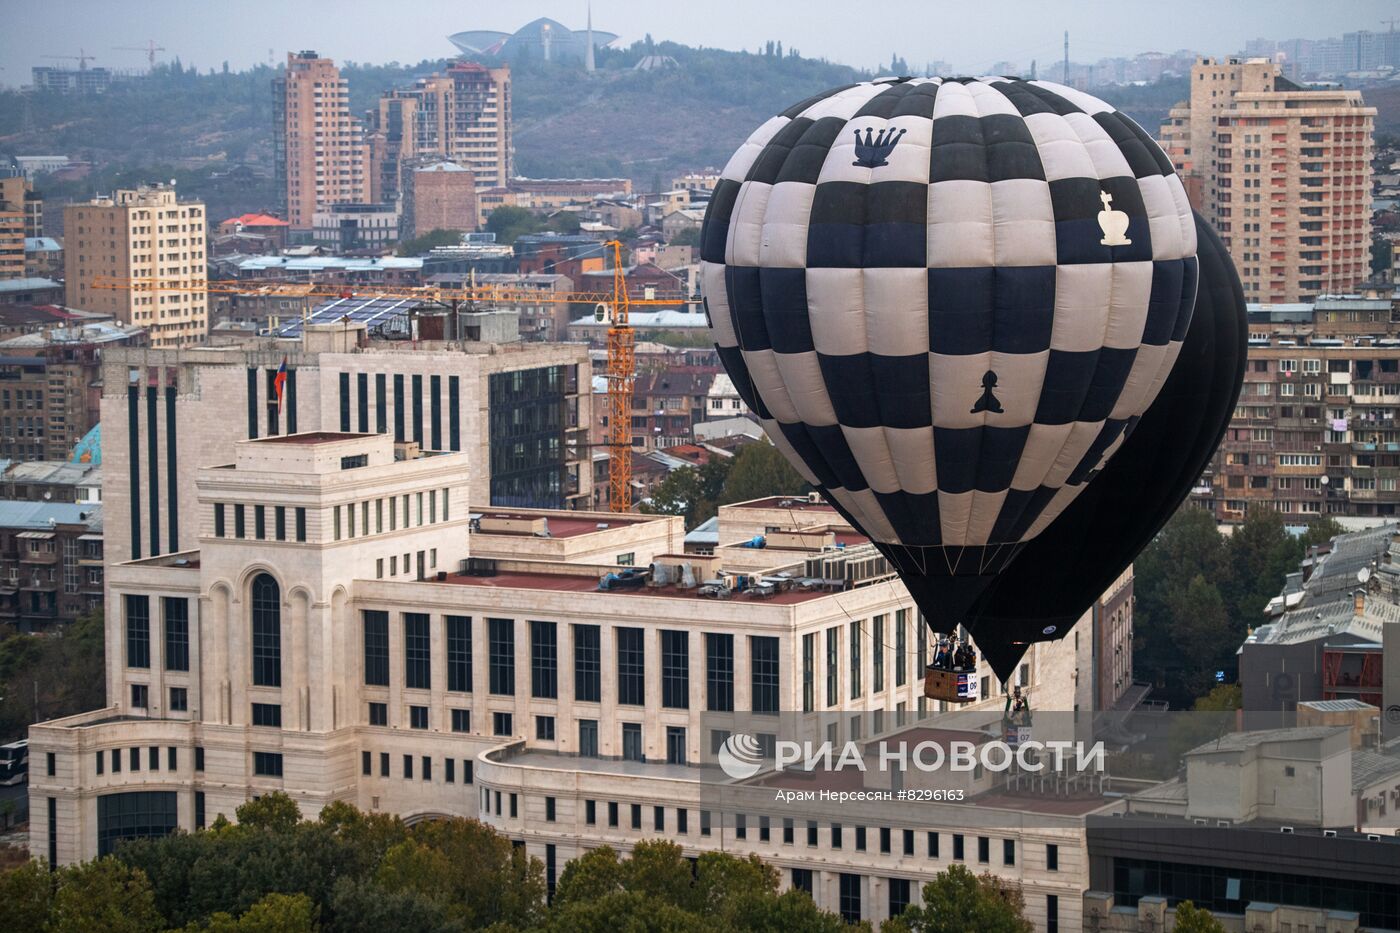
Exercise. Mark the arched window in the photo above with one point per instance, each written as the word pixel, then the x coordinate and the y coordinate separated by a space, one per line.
pixel 267 632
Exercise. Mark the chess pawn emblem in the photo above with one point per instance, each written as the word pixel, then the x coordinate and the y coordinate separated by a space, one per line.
pixel 988 401
pixel 1113 223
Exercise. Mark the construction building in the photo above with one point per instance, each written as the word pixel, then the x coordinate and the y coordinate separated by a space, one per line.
pixel 148 234
pixel 1282 171
pixel 439 196
pixel 462 115
pixel 514 409
pixel 319 155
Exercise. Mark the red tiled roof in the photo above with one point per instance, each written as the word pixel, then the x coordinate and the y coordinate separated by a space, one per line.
pixel 258 220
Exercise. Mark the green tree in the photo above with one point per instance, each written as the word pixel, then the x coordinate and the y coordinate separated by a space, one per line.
pixel 1319 532
pixel 1193 919
pixel 104 895
pixel 275 811
pixel 693 492
pixel 1382 253
pixel 563 222
pixel 759 470
pixel 956 900
pixel 26 896
pixel 421 245
pixel 510 223
pixel 1262 553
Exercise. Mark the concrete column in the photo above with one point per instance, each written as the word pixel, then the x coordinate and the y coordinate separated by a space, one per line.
pixel 438 718
pixel 566 726
pixel 296 684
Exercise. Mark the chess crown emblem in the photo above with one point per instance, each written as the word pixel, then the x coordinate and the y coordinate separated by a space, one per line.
pixel 875 149
pixel 1114 224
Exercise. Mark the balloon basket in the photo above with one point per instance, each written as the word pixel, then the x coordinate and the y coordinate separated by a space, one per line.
pixel 950 686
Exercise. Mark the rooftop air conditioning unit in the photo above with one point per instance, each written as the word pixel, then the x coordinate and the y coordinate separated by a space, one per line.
pixel 1286 829
pixel 1373 837
pixel 1329 833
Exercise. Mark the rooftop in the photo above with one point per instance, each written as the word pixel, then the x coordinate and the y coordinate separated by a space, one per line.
pixel 42 516
pixel 790 503
pixel 560 525
pixel 29 284
pixel 258 220
pixel 1240 741
pixel 580 583
pixel 312 437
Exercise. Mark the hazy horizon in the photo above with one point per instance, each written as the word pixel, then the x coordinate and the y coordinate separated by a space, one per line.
pixel 969 37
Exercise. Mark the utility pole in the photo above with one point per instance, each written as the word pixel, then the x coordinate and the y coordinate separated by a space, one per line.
pixel 1065 75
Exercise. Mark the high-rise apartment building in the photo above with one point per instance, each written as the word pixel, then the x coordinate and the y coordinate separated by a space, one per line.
pixel 318 147
pixel 145 233
pixel 463 115
pixel 12 227
pixel 1282 171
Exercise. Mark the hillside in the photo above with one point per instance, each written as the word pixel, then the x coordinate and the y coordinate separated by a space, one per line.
pixel 647 125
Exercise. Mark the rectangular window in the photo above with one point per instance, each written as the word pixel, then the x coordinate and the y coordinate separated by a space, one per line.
pixel 763 663
pixel 544 660
pixel 958 853
pixel 239 530
pixel 461 720
pixel 417 651
pixel 1052 913
pixel 140 696
pixel 833 652
pixel 1052 857
pixel 407 767
pixel 675 669
pixel 179 700
pixel 811 834
pixel 588 738
pixel 855 642
pixel 836 835
pixel 885 840
pixel 544 728
pixel 877 654
pixel 899 895
pixel 984 849
pixel 267 764
pixel 383 764
pixel 379 714
pixel 802 879
pixel 933 845
pixel 199 809
pixel 267 714
pixel 344 403
pixel 301 523
pixel 636 816
pixel 259 522
pixel 1008 851
pixel 612 812
pixel 116 761
pixel 199 757
pixel 809 659
pixel 459 653
pixel 860 838
pixel 588 667
pixel 502 724
pixel 218 519
pixel 590 812
pixel 171 758
pixel 366 763
pixel 138 630
pixel 279 522
pixel 502 656
pixel 631 666
pixel 682 821
pixel 176 611
pixel 549 811
pixel 418 717
pixel 719 672
pixel 632 742
pixel 704 822
pixel 101 759
pixel 850 897
pixel 901 647
pixel 376 623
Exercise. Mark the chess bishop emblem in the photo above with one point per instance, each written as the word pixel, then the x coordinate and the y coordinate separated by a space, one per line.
pixel 1113 223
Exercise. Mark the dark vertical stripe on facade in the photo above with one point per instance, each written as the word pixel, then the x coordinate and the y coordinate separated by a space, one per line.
pixel 153 466
pixel 454 413
pixel 418 410
pixel 252 403
pixel 435 409
pixel 273 415
pixel 133 456
pixel 291 401
pixel 399 403
pixel 381 406
pixel 172 473
pixel 345 403
pixel 362 387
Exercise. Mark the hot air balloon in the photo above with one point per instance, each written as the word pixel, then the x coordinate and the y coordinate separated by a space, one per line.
pixel 950 302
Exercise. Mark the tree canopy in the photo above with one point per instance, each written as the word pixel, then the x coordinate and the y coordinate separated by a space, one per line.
pixel 957 900
pixel 757 470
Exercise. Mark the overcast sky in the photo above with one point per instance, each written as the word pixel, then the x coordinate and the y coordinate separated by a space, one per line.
pixel 971 34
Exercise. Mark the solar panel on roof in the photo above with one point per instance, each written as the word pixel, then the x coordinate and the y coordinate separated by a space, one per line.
pixel 384 317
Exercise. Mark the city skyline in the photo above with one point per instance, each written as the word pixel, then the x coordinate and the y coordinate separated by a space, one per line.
pixel 419 31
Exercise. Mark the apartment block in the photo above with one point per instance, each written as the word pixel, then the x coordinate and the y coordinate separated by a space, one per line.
pixel 439 196
pixel 462 115
pixel 140 234
pixel 1282 171
pixel 319 155
pixel 12 227
pixel 347 623
pixel 514 409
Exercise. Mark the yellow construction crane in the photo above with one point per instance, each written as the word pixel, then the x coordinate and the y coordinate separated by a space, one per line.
pixel 150 48
pixel 612 306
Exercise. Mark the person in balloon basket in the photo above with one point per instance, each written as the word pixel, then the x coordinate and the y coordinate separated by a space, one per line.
pixel 943 654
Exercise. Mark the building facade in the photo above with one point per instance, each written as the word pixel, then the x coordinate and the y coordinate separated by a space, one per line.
pixel 462 115
pixel 348 624
pixel 12 227
pixel 319 154
pixel 1283 172
pixel 443 197
pixel 140 234
pixel 50 562
pixel 355 228
pixel 515 409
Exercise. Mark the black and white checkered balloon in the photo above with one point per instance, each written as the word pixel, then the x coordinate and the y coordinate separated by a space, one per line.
pixel 949 301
